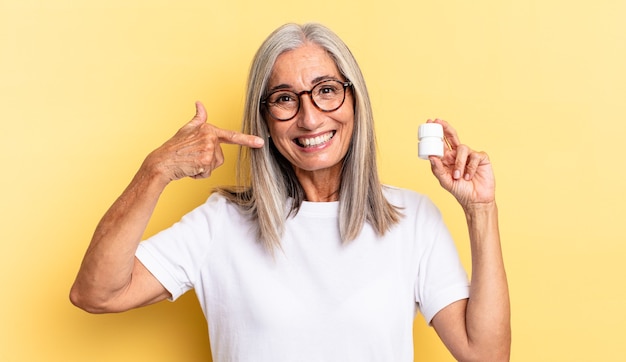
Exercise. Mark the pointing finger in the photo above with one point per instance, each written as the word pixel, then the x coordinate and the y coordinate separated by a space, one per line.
pixel 233 137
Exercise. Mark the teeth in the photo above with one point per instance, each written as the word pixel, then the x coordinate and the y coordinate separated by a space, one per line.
pixel 315 141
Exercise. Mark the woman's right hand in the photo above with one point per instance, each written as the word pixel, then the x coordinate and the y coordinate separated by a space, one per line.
pixel 195 151
pixel 111 279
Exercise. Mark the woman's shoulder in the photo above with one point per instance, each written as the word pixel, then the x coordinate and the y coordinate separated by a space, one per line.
pixel 408 199
pixel 216 206
pixel 398 193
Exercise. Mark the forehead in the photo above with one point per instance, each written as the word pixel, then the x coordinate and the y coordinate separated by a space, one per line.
pixel 302 66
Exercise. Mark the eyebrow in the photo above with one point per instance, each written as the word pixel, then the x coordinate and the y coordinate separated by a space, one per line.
pixel 313 82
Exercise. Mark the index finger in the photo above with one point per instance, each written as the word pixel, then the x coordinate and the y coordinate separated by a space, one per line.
pixel 238 138
pixel 449 133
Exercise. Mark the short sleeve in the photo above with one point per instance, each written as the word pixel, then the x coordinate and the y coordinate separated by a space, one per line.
pixel 441 278
pixel 175 254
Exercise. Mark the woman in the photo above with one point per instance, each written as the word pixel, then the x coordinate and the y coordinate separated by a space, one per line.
pixel 310 257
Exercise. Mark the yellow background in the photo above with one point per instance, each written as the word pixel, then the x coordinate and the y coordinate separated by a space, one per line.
pixel 88 88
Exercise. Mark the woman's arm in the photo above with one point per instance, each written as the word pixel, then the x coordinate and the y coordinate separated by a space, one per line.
pixel 110 278
pixel 478 328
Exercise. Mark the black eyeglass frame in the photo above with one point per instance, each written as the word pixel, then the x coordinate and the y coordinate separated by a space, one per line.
pixel 345 85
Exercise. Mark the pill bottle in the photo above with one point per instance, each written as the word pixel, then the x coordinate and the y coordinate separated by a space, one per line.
pixel 430 136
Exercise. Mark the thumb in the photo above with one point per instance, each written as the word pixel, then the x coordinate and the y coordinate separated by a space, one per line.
pixel 200 117
pixel 439 170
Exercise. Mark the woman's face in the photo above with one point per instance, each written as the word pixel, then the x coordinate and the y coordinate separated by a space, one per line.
pixel 313 140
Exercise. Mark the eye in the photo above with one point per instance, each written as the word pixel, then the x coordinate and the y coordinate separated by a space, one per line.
pixel 327 90
pixel 282 98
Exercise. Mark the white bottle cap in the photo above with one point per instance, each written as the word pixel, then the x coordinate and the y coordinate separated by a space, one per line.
pixel 430 137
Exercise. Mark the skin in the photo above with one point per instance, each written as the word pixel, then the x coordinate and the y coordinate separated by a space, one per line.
pixel 111 279
pixel 478 328
pixel 318 168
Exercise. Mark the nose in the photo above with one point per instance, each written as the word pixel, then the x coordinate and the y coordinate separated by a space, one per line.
pixel 309 117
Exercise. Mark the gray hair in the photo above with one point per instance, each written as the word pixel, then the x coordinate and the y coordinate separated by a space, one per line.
pixel 268 188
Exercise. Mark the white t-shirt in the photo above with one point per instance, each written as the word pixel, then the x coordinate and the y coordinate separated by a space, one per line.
pixel 317 299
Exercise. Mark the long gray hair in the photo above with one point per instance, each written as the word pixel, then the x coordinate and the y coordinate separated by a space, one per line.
pixel 267 185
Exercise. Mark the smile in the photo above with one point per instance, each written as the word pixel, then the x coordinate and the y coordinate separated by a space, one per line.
pixel 314 141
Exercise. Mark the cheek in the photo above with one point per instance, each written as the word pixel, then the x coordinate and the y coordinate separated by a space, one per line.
pixel 278 136
pixel 348 118
pixel 275 130
pixel 348 109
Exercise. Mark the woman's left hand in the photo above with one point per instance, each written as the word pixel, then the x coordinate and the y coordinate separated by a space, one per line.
pixel 465 173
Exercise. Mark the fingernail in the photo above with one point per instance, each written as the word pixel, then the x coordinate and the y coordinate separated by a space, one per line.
pixel 467 176
pixel 457 174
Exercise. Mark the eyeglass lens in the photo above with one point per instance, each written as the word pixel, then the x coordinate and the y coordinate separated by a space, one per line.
pixel 327 96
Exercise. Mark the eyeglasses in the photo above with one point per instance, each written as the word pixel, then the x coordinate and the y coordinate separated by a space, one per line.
pixel 327 96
